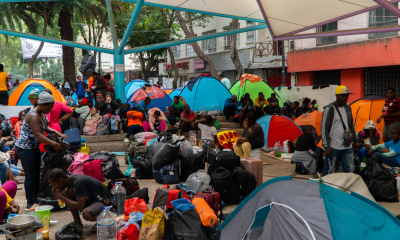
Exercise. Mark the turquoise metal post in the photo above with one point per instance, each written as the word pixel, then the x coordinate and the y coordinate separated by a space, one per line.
pixel 119 76
pixel 131 24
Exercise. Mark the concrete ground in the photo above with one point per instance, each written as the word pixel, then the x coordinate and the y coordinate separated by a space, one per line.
pixel 275 169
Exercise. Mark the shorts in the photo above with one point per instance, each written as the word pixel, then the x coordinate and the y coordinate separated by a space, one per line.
pixel 94 209
pixel 4 98
pixel 387 129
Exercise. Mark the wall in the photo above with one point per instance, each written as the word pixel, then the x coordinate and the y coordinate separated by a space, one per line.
pixel 305 79
pixel 323 96
pixel 354 80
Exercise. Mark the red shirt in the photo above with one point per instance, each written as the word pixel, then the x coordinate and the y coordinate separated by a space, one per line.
pixel 187 116
pixel 391 106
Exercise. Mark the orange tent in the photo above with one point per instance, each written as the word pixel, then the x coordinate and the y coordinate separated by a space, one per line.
pixel 314 119
pixel 368 108
pixel 168 90
pixel 19 97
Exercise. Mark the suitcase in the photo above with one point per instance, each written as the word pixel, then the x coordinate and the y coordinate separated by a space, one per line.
pixel 191 163
pixel 227 160
pixel 74 139
pixel 212 198
pixel 254 166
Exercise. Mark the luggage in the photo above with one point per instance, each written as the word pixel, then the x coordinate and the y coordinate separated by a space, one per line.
pixel 244 180
pixel 187 225
pixel 162 154
pixel 114 126
pixel 91 127
pixel 168 174
pixel 143 168
pixel 198 182
pixel 110 166
pixel 79 162
pixel 131 185
pixel 207 215
pixel 254 166
pixel 93 169
pixel 212 198
pixel 141 193
pixel 191 163
pixel 84 149
pixel 227 160
pixel 74 139
pixel 135 150
pixel 143 136
pixel 165 195
pixel 222 182
pixel 103 129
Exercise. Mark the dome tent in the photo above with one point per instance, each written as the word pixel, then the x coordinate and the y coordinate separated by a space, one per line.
pixel 158 97
pixel 205 93
pixel 174 93
pixel 132 86
pixel 168 90
pixel 278 128
pixel 313 119
pixel 19 97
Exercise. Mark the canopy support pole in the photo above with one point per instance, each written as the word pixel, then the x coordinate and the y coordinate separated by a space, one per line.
pixel 119 76
pixel 388 6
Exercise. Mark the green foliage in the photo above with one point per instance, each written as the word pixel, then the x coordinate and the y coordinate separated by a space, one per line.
pixel 52 71
pixel 10 51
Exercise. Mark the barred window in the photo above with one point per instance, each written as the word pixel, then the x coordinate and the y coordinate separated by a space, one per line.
pixel 381 17
pixel 331 77
pixel 377 79
pixel 327 28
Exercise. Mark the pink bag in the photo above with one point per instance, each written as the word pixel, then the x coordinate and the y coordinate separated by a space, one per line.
pixel 79 161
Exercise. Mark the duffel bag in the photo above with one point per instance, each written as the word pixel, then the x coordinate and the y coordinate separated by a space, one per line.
pixel 165 195
pixel 110 165
pixel 162 154
pixel 227 160
pixel 207 215
pixel 143 168
pixel 135 150
pixel 141 193
pixel 212 198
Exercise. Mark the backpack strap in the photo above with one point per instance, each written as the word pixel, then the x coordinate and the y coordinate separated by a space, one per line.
pixel 340 115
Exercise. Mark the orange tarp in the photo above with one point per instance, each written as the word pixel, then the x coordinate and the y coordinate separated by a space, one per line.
pixel 314 119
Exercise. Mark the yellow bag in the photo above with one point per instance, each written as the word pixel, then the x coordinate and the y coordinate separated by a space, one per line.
pixel 153 224
pixel 84 149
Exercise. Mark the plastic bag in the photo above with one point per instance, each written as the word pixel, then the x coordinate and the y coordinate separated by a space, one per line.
pixel 216 124
pixel 199 182
pixel 70 231
pixel 153 224
pixel 133 206
pixel 185 147
pixel 162 154
pixel 143 136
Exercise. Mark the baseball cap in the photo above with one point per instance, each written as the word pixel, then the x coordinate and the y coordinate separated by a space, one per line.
pixel 342 90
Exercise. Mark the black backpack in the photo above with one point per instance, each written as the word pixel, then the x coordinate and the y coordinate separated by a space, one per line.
pixel 110 166
pixel 222 182
pixel 143 168
pixel 244 180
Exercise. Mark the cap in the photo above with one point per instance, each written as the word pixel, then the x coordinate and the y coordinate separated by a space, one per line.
pixel 85 100
pixel 342 90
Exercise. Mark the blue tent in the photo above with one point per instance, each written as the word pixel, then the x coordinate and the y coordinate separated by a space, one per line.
pixel 205 94
pixel 132 86
pixel 74 97
pixel 174 93
pixel 282 208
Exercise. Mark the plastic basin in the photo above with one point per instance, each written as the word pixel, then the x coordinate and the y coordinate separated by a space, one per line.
pixel 43 211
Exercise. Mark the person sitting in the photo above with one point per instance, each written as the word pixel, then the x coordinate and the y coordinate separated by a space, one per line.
pixel 175 110
pixel 82 194
pixel 274 105
pixel 123 110
pixel 7 194
pixel 302 154
pixel 143 106
pixel 314 105
pixel 134 123
pixel 95 109
pixel 208 134
pixel 243 109
pixel 21 117
pixel 252 137
pixel 107 108
pixel 367 138
pixel 156 121
pixel 188 117
pixel 230 106
pixel 260 101
pixel 6 143
pixel 296 111
pixel 84 114
pixel 392 157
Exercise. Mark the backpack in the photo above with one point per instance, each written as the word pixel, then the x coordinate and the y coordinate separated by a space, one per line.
pixel 110 165
pixel 143 168
pixel 168 174
pixel 90 127
pixel 227 160
pixel 103 129
pixel 131 185
pixel 79 161
pixel 140 193
pixel 244 180
pixel 135 150
pixel 114 126
pixel 93 169
pixel 222 182
pixel 165 195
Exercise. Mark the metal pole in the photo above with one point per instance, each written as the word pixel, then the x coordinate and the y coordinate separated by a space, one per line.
pixel 283 65
pixel 119 76
pixel 131 24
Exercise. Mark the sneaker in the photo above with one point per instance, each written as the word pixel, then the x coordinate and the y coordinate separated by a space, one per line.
pixel 126 140
pixel 28 207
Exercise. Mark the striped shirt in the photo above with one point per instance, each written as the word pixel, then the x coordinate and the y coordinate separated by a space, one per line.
pixel 391 106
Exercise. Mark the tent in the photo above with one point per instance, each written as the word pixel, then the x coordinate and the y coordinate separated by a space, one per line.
pixel 282 208
pixel 205 93
pixel 74 97
pixel 253 88
pixel 175 92
pixel 314 119
pixel 158 97
pixel 368 108
pixel 278 128
pixel 132 86
pixel 168 90
pixel 19 97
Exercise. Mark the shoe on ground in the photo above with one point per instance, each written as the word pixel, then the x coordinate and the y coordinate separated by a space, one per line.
pixel 126 140
pixel 28 207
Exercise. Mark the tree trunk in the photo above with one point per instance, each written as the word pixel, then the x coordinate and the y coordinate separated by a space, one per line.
pixel 0 51
pixel 176 70
pixel 234 53
pixel 190 33
pixel 66 33
pixel 143 67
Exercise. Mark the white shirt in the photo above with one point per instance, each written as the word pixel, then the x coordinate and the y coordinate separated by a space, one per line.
pixel 207 132
pixel 226 83
pixel 66 85
pixel 337 129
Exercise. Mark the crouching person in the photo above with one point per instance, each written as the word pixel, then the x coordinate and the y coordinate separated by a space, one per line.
pixel 392 157
pixel 305 153
pixel 82 194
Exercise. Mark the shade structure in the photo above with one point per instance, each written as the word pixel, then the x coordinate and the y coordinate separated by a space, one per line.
pixel 314 119
pixel 368 108
pixel 282 208
pixel 19 97
pixel 253 89
pixel 132 86
pixel 205 94
pixel 175 92
pixel 278 128
pixel 158 97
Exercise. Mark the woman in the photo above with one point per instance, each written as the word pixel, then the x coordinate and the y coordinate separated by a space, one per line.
pixel 367 138
pixel 27 145
pixel 99 86
pixel 7 203
pixel 252 137
pixel 21 117
pixel 54 115
pixel 156 121
pixel 107 108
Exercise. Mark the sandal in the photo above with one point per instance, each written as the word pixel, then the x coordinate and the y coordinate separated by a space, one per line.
pixel 94 229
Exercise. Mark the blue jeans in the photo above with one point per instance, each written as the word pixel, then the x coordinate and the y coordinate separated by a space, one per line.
pixel 390 161
pixel 277 110
pixel 133 129
pixel 30 160
pixel 4 149
pixel 3 172
pixel 90 97
pixel 16 171
pixel 363 153
pixel 342 156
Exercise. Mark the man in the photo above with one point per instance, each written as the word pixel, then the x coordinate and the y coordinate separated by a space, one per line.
pixel 84 114
pixel 274 105
pixel 3 86
pixel 392 157
pixel 297 112
pixel 16 83
pixel 80 87
pixel 336 125
pixel 135 123
pixel 33 97
pixel 188 117
pixel 260 101
pixel 230 106
pixel 390 113
pixel 67 87
pixel 143 105
pixel 82 194
pixel 245 107
pixel 89 88
pixel 175 110
pixel 226 82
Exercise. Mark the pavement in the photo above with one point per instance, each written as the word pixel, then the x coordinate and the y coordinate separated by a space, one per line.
pixel 275 168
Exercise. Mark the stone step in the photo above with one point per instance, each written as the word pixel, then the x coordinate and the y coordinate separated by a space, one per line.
pixel 228 125
pixel 105 138
pixel 114 146
pixel 238 130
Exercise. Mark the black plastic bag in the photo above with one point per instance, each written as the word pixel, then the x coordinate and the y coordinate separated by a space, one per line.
pixel 143 168
pixel 380 182
pixel 187 225
pixel 191 163
pixel 110 165
pixel 142 194
pixel 71 231
pixel 162 154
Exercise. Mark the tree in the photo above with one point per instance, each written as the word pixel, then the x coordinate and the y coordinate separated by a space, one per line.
pixel 67 33
pixel 234 53
pixel 189 32
pixel 53 71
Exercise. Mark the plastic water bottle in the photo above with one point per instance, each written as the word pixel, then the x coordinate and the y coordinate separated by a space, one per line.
pixel 278 147
pixel 398 182
pixel 119 196
pixel 106 225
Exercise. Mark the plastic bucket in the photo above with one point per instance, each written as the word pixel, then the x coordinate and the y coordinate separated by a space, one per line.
pixel 44 210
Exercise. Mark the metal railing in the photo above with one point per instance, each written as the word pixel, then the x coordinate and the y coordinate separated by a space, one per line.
pixel 272 48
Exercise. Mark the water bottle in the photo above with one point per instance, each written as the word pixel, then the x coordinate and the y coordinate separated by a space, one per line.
pixel 106 225
pixel 119 195
pixel 278 147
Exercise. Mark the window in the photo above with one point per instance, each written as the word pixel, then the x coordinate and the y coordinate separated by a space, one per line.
pixel 176 51
pixel 183 80
pixel 189 50
pixel 226 40
pixel 377 79
pixel 327 28
pixel 209 45
pixel 250 35
pixel 381 17
pixel 327 77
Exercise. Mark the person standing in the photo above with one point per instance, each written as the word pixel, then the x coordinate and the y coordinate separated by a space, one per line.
pixel 90 84
pixel 80 87
pixel 390 114
pixel 3 86
pixel 226 82
pixel 338 133
pixel 67 87
pixel 99 87
pixel 54 116
pixel 84 114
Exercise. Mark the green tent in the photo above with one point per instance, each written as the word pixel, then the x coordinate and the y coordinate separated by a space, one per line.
pixel 253 89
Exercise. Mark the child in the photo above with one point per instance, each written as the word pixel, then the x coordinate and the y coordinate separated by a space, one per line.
pixel 304 153
pixel 366 138
pixel 392 157
pixel 208 134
